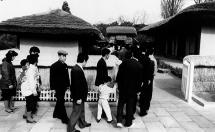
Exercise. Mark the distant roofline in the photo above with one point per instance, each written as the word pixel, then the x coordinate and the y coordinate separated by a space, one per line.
pixel 203 9
pixel 121 30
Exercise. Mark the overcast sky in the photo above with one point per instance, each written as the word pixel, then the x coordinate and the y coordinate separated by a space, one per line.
pixel 93 11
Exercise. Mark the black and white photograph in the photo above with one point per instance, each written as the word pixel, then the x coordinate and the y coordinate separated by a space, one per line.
pixel 107 66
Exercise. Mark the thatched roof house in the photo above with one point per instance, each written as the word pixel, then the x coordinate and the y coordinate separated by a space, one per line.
pixel 53 22
pixel 124 34
pixel 121 30
pixel 50 32
pixel 191 31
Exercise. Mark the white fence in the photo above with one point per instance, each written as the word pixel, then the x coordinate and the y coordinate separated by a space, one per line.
pixel 49 95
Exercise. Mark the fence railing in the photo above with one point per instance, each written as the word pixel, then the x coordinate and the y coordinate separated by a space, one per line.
pixel 49 95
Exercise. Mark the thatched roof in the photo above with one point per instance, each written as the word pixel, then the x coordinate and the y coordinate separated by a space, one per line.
pixel 121 30
pixel 53 22
pixel 196 14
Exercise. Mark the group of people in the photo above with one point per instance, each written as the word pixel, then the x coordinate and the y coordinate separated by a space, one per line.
pixel 28 82
pixel 134 77
pixel 59 81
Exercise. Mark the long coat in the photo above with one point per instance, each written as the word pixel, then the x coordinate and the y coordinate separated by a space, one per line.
pixel 129 77
pixel 59 76
pixel 150 67
pixel 79 87
pixel 102 72
pixel 8 75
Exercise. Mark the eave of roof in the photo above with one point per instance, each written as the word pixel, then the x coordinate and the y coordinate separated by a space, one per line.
pixel 199 9
pixel 53 22
pixel 121 30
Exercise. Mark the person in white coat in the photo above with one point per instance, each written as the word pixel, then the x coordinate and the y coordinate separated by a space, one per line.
pixel 28 87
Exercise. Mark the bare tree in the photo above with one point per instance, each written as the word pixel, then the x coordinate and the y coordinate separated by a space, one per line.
pixel 139 18
pixel 121 19
pixel 170 7
pixel 202 1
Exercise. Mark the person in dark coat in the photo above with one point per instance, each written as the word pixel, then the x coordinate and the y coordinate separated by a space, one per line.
pixel 8 81
pixel 79 90
pixel 129 79
pixel 59 81
pixel 101 69
pixel 150 68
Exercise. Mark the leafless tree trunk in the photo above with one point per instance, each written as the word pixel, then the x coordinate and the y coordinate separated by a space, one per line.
pixel 170 7
pixel 139 17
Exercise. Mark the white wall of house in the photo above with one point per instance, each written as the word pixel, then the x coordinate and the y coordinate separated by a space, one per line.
pixel 48 50
pixel 207 41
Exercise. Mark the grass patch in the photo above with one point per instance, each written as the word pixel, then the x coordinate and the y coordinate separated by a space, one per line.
pixel 174 70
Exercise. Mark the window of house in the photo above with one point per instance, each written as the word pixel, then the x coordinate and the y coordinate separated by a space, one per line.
pixel 8 41
pixel 93 47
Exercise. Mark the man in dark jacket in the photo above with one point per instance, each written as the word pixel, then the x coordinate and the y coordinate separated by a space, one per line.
pixel 102 71
pixel 79 90
pixel 150 69
pixel 129 79
pixel 59 81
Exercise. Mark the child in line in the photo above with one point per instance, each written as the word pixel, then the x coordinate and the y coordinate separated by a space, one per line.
pixel 22 77
pixel 25 65
pixel 104 93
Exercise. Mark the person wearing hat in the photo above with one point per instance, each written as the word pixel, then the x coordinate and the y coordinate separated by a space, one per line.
pixel 8 81
pixel 59 81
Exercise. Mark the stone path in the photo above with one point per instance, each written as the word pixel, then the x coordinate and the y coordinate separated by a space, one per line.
pixel 168 113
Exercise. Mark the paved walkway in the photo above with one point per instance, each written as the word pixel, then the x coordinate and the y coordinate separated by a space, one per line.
pixel 168 113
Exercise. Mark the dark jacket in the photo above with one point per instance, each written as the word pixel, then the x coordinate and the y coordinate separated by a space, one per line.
pixel 59 76
pixel 8 75
pixel 102 72
pixel 79 87
pixel 149 68
pixel 129 77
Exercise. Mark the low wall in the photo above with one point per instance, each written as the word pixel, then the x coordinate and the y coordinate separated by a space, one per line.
pixel 204 79
pixel 201 77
